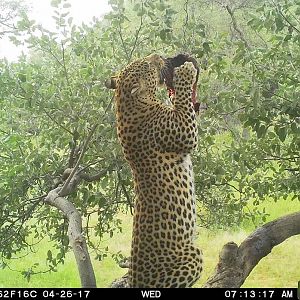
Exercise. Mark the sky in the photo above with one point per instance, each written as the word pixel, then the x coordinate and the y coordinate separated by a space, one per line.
pixel 41 11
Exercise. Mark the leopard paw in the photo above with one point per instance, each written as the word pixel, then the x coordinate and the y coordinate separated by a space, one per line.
pixel 185 75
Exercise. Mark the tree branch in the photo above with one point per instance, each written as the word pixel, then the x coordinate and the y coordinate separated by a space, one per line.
pixel 73 150
pixel 63 191
pixel 76 238
pixel 95 177
pixel 236 263
pixel 286 19
pixel 122 42
pixel 235 26
pixel 56 198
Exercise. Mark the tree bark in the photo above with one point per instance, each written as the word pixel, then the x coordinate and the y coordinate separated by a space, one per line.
pixel 236 262
pixel 77 240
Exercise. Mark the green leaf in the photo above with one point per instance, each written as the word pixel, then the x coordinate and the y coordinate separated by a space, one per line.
pixel 171 12
pixel 70 21
pixel 55 3
pixel 251 122
pixel 287 37
pixel 161 6
pixel 294 128
pixel 22 77
pixel 59 256
pixel 236 156
pixel 65 241
pixel 240 54
pixel 279 23
pixel 281 132
pixel 139 13
pixel 49 255
pixel 104 182
pixel 206 47
pixel 163 34
pixel 219 171
pixel 261 132
pixel 198 52
pixel 101 201
pixel 63 16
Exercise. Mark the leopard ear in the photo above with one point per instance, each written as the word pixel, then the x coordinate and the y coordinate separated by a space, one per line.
pixel 111 83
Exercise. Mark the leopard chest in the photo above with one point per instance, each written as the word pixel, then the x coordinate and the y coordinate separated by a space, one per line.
pixel 136 134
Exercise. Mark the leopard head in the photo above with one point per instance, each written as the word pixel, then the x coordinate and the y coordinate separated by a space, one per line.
pixel 141 77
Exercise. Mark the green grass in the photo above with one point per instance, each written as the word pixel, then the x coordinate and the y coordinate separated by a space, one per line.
pixel 281 268
pixel 274 210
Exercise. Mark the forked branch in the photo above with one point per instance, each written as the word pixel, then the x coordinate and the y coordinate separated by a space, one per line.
pixel 56 198
pixel 63 191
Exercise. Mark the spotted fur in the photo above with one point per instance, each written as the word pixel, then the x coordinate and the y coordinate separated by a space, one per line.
pixel 157 141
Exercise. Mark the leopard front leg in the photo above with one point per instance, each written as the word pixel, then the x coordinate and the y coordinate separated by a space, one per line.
pixel 184 79
pixel 176 126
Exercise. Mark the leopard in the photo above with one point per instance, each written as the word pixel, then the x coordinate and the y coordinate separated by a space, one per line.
pixel 157 141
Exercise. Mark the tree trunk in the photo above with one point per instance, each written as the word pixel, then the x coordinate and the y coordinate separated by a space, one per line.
pixel 76 238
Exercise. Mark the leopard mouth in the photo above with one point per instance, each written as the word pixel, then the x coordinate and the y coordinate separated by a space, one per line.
pixel 166 73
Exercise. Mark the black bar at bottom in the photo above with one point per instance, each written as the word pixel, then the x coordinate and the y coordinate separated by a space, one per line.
pixel 220 294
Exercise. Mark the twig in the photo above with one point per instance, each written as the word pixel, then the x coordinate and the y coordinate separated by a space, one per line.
pixel 60 125
pixel 65 186
pixel 230 185
pixel 235 26
pixel 73 149
pixel 186 21
pixel 123 43
pixel 108 105
pixel 37 199
pixel 137 33
pixel 233 111
pixel 125 191
pixel 65 68
pixel 49 50
pixel 286 19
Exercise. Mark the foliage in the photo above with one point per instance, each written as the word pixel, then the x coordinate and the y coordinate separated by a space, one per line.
pixel 249 135
pixel 257 103
pixel 11 12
